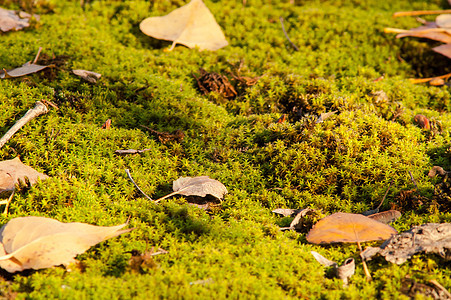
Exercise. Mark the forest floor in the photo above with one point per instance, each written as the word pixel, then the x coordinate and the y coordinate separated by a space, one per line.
pixel 345 63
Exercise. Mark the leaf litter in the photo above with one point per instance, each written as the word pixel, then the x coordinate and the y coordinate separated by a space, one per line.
pixel 39 242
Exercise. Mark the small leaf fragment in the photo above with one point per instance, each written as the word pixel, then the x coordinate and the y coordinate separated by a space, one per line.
pixel 351 228
pixel 14 172
pixel 87 75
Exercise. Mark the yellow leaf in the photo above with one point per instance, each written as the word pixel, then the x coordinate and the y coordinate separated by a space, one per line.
pixel 192 25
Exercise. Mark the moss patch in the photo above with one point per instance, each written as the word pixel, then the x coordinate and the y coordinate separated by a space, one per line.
pixel 342 164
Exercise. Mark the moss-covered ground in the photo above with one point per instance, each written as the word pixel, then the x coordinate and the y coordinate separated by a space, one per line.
pixel 345 163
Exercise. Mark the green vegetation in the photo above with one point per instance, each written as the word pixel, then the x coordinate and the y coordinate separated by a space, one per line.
pixel 342 164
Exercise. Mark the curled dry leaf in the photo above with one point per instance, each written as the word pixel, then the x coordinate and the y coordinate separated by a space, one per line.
pixel 200 186
pixel 429 238
pixel 192 25
pixel 87 75
pixel 13 20
pixel 343 272
pixel 351 228
pixel 38 242
pixel 13 172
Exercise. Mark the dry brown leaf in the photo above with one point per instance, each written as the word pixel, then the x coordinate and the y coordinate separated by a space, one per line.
pixel 87 75
pixel 200 186
pixel 164 137
pixel 386 217
pixel 192 25
pixel 13 20
pixel 351 228
pixel 444 49
pixel 429 238
pixel 38 242
pixel 13 172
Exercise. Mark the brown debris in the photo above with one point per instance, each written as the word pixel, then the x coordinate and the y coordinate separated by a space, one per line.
pixel 143 261
pixel 107 124
pixel 411 288
pixel 214 82
pixel 164 137
pixel 429 238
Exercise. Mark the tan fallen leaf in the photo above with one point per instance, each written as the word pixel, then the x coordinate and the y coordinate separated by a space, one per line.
pixel 38 242
pixel 13 20
pixel 200 186
pixel 87 75
pixel 192 25
pixel 13 172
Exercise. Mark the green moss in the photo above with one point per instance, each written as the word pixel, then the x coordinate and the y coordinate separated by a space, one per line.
pixel 236 250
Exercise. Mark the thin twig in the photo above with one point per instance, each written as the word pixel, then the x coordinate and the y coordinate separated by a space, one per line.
pixel 383 199
pixel 421 12
pixel 39 109
pixel 413 180
pixel 37 56
pixel 134 183
pixel 286 35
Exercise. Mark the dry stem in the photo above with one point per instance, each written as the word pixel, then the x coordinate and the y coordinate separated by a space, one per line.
pixel 134 183
pixel 421 12
pixel 365 267
pixel 286 35
pixel 39 109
